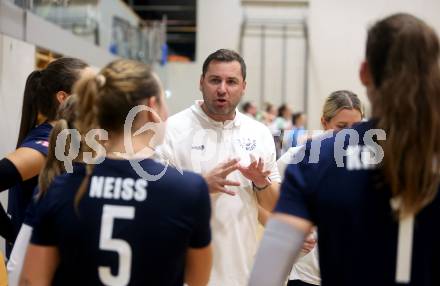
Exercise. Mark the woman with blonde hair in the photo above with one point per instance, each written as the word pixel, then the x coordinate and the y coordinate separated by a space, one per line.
pixel 128 220
pixel 341 109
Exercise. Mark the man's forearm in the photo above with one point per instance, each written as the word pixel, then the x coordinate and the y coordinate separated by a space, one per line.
pixel 268 198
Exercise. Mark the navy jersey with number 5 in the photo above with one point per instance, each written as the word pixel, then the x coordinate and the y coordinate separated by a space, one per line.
pixel 357 231
pixel 125 230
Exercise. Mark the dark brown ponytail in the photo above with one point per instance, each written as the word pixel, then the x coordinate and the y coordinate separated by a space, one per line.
pixel 41 89
pixel 403 57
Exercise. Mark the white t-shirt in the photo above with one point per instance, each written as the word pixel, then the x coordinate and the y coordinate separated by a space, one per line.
pixel 196 142
pixel 306 268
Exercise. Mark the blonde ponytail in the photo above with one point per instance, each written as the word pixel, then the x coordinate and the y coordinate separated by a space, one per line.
pixel 105 101
pixel 88 90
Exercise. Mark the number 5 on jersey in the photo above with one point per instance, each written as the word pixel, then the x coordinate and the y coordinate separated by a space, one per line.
pixel 106 242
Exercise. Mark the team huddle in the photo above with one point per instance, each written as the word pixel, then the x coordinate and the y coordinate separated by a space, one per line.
pixel 183 204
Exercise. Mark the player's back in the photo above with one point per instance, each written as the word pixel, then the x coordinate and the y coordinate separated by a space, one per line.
pixel 125 230
pixel 357 229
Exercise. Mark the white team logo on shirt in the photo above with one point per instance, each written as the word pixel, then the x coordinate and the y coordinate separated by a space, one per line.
pixel 247 144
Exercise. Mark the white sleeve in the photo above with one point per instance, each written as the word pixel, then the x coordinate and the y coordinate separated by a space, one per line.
pixel 15 263
pixel 276 254
pixel 290 157
pixel 270 158
pixel 282 163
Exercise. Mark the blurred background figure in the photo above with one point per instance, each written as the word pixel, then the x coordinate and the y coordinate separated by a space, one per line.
pixel 268 114
pixel 284 118
pixel 282 123
pixel 250 109
pixel 298 121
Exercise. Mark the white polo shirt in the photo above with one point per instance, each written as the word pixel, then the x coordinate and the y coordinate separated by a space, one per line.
pixel 196 142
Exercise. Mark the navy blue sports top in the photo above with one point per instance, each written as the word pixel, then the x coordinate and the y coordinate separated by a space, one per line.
pixel 357 230
pixel 20 195
pixel 126 230
pixel 30 215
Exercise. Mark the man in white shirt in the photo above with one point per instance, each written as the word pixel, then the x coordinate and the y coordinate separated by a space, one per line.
pixel 235 154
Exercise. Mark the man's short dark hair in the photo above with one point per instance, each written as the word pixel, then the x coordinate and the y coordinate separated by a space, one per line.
pixel 224 55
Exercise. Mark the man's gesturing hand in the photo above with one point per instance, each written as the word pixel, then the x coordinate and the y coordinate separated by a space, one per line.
pixel 216 178
pixel 255 172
